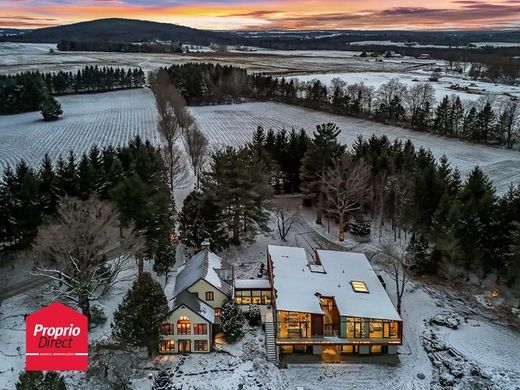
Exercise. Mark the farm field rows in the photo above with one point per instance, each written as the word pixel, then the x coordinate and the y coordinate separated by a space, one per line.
pixel 235 124
pixel 97 119
pixel 116 117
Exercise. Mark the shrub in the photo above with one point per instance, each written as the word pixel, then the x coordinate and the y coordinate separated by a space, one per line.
pixel 361 228
pixel 97 316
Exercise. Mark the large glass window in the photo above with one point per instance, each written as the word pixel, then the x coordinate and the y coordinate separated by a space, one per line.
pixel 294 324
pixel 200 345
pixel 376 329
pixel 183 325
pixel 167 346
pixel 255 297
pixel 200 329
pixel 184 345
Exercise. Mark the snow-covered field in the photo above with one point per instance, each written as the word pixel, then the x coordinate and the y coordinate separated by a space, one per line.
pixel 442 87
pixel 20 57
pixel 235 124
pixel 98 119
pixel 116 117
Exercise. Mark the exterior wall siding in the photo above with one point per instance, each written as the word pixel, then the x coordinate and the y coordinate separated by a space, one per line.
pixel 201 287
pixel 194 319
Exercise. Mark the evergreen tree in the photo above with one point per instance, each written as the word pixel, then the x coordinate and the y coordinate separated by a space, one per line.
pixel 51 109
pixel 240 187
pixel 442 116
pixel 138 318
pixel 47 187
pixel 37 380
pixel 486 123
pixel 232 321
pixel 164 259
pixel 163 381
pixel 476 228
pixel 201 218
pixel 321 153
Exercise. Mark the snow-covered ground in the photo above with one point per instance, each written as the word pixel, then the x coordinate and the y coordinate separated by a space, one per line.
pixel 25 57
pixel 235 124
pixel 485 353
pixel 442 87
pixel 92 119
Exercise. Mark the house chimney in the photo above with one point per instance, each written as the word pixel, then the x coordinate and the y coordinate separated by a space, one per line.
pixel 205 245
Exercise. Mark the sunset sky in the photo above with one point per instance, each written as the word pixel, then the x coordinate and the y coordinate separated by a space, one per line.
pixel 271 14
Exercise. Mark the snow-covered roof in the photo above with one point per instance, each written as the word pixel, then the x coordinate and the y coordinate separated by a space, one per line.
pixel 298 288
pixel 192 302
pixel 251 284
pixel 203 265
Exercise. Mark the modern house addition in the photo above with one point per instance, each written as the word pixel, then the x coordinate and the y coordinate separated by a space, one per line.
pixel 334 304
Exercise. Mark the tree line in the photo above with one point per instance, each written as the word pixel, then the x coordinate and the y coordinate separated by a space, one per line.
pixel 131 177
pixel 455 222
pixel 27 91
pixel 451 222
pixel 485 121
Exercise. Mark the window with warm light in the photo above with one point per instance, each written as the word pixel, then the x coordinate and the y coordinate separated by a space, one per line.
pixel 183 325
pixel 210 296
pixel 359 287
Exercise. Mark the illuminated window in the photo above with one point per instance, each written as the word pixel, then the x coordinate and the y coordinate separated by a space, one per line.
pixel 359 287
pixel 183 325
pixel 210 296
pixel 375 349
pixel 217 311
pixel 167 346
pixel 200 329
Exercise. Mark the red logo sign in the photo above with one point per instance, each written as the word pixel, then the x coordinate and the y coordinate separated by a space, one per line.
pixel 56 339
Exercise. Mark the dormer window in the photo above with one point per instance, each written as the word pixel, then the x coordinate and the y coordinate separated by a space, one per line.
pixel 359 286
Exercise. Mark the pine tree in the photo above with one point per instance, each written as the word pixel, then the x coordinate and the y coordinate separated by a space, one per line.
pixel 240 187
pixel 47 187
pixel 232 321
pixel 163 381
pixel 201 218
pixel 164 259
pixel 51 109
pixel 485 123
pixel 442 116
pixel 37 380
pixel 321 153
pixel 138 317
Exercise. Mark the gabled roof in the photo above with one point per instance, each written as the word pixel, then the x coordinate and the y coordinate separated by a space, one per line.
pixel 203 265
pixel 196 305
pixel 298 286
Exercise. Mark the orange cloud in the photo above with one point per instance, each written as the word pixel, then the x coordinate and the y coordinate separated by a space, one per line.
pixel 273 14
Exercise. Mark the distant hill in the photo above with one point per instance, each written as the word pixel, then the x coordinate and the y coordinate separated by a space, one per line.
pixel 12 31
pixel 125 30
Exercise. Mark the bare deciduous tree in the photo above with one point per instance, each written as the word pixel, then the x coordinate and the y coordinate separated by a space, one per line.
pixel 419 97
pixel 396 266
pixel 173 120
pixel 113 365
pixel 346 188
pixel 196 145
pixel 81 253
pixel 285 219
